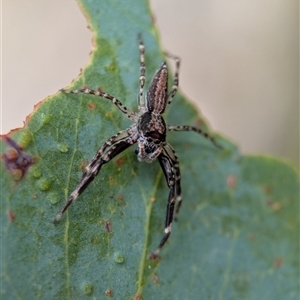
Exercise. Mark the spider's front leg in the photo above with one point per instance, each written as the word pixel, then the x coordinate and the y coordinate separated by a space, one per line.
pixel 112 147
pixel 129 114
pixel 170 166
pixel 176 77
pixel 141 102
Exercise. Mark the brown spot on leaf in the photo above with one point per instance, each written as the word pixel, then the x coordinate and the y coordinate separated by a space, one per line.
pixel 213 166
pixel 11 154
pixel 252 237
pixel 91 105
pixel 137 297
pixel 267 189
pixel 120 161
pixel 199 123
pixel 278 261
pixel 231 181
pixel 16 161
pixel 83 164
pixel 276 206
pixel 108 226
pixel 269 202
pixel 112 181
pixel 120 197
pixel 108 114
pixel 11 215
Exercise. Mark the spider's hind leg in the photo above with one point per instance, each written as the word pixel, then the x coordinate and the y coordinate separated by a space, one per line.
pixel 170 166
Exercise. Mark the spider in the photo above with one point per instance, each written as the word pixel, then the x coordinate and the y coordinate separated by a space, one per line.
pixel 149 132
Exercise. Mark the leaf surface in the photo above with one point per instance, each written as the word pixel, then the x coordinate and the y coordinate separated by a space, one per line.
pixel 237 236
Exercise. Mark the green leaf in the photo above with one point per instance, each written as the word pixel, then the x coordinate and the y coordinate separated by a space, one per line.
pixel 237 236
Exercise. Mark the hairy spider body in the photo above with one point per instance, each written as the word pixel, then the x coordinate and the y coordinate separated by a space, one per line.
pixel 152 136
pixel 148 132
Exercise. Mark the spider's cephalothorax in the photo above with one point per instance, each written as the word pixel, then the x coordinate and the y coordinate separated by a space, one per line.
pixel 149 132
pixel 152 136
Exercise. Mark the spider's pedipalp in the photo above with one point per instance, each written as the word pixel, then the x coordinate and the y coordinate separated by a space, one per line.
pixel 130 114
pixel 195 129
pixel 114 146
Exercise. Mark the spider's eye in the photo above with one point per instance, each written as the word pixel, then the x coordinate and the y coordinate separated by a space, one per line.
pixel 154 135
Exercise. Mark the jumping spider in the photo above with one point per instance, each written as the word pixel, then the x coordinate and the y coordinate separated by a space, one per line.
pixel 149 132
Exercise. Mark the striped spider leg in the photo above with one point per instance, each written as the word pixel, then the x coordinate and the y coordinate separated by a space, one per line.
pixel 148 131
pixel 112 147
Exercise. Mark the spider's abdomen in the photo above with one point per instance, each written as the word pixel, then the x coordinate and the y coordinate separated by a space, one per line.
pixel 157 94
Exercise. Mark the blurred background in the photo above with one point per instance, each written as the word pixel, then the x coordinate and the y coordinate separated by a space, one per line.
pixel 240 63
